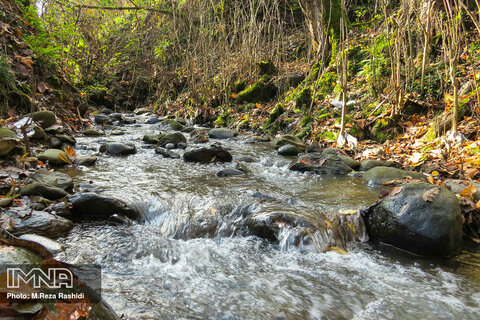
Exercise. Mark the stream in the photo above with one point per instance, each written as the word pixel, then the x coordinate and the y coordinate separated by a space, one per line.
pixel 191 259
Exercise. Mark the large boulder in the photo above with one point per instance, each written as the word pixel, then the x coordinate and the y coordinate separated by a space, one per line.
pixel 8 141
pixel 173 138
pixel 380 175
pixel 289 139
pixel 103 119
pixel 91 206
pixel 206 155
pixel 24 220
pixel 44 118
pixel 43 190
pixel 53 156
pixel 418 217
pixel 51 245
pixel 55 178
pixel 118 149
pixel 221 133
pixel 318 163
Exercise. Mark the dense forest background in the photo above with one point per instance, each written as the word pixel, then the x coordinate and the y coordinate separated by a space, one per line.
pixel 371 69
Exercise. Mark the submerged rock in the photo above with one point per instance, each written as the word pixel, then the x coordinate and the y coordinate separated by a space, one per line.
pixel 199 136
pixel 229 172
pixel 91 206
pixel 206 155
pixel 38 222
pixel 166 153
pixel 118 149
pixel 321 164
pixel 380 175
pixel 221 133
pixel 418 217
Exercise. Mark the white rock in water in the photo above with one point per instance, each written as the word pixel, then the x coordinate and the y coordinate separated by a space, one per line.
pixel 49 244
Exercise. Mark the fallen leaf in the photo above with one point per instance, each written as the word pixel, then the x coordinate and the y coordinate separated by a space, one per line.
pixel 25 60
pixel 42 87
pixel 337 250
pixel 469 192
pixel 430 194
pixel 396 191
pixel 431 179
pixel 63 158
pixel 470 173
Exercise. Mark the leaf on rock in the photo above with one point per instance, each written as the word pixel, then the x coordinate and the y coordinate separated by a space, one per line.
pixel 469 192
pixel 63 158
pixel 430 194
pixel 396 190
pixel 70 152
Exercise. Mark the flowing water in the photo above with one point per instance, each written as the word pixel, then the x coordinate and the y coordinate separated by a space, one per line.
pixel 192 258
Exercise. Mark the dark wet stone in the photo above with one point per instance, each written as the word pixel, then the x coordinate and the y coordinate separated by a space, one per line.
pixel 102 119
pixel 38 222
pixel 66 138
pixel 91 206
pixel 152 120
pixel 420 218
pixel 221 133
pixel 171 124
pixel 288 150
pixel 206 155
pixel 118 149
pixel 247 159
pixel 318 163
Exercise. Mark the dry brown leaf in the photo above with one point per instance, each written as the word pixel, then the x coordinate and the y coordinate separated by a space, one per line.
pixel 470 173
pixel 431 179
pixel 430 194
pixel 63 158
pixel 42 87
pixel 469 192
pixel 25 60
pixel 396 191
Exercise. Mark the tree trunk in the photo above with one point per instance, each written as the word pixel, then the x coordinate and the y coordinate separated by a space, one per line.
pixel 321 17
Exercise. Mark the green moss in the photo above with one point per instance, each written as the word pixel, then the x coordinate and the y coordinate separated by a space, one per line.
pixel 306 120
pixel 260 91
pixel 328 135
pixel 304 98
pixel 239 86
pixel 276 112
pixel 380 130
pixel 304 133
pixel 220 121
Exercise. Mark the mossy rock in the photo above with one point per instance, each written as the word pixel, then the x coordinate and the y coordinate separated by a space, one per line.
pixel 171 124
pixel 53 156
pixel 8 141
pixel 44 118
pixel 260 91
pixel 303 99
pixel 239 86
pixel 289 139
pixel 384 129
